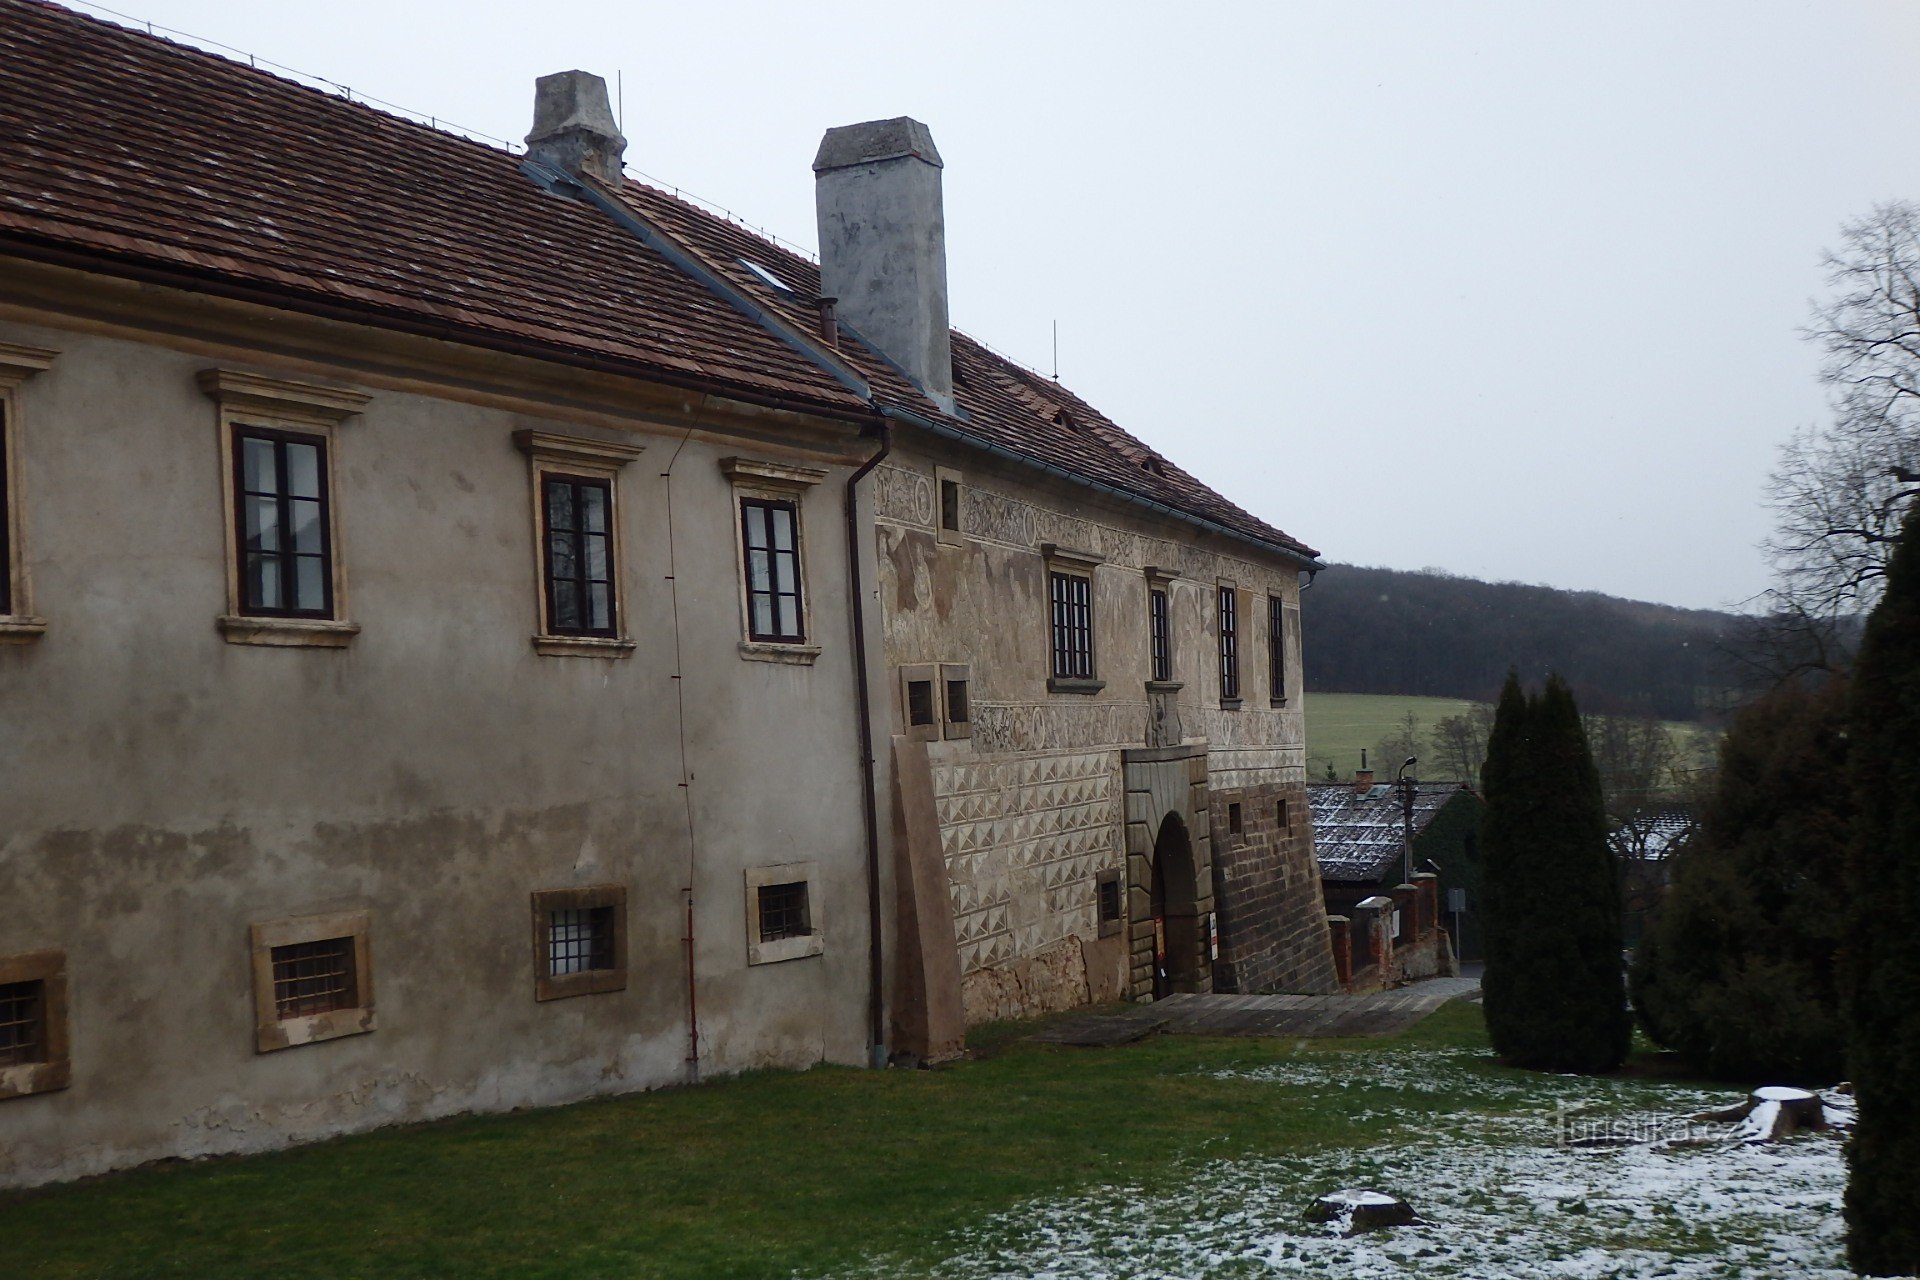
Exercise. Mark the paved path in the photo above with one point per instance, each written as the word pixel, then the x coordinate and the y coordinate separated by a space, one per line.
pixel 1377 1014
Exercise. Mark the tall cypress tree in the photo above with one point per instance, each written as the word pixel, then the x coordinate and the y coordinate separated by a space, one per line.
pixel 1883 958
pixel 1554 992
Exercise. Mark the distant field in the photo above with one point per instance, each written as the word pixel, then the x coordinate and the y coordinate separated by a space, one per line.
pixel 1339 724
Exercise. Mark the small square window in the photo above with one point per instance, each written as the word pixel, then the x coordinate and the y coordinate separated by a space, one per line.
pixel 1111 902
pixel 1234 824
pixel 33 1024
pixel 950 505
pixel 579 941
pixel 783 912
pixel 312 979
pixel 957 701
pixel 920 702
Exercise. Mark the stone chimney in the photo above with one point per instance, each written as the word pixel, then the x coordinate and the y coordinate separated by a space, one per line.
pixel 1363 776
pixel 573 126
pixel 883 244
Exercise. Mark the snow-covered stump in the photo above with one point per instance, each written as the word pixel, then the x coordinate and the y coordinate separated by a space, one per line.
pixel 1354 1210
pixel 1775 1112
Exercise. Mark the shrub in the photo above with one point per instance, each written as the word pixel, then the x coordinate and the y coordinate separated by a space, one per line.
pixel 1739 971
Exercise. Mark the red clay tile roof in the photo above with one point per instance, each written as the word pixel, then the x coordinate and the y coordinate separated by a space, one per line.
pixel 147 155
pixel 131 154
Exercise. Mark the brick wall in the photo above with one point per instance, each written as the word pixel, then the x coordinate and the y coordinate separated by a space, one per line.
pixel 1273 922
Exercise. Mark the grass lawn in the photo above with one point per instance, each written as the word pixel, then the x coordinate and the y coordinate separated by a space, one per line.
pixel 1339 724
pixel 967 1170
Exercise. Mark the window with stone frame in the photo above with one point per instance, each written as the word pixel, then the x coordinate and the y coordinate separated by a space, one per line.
pixel 1229 645
pixel 578 556
pixel 312 979
pixel 783 912
pixel 1160 636
pixel 33 1024
pixel 18 624
pixel 1110 902
pixel 579 941
pixel 1072 665
pixel 770 523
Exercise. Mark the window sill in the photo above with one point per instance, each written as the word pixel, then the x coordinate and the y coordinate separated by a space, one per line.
pixel 35 1077
pixel 1164 686
pixel 588 982
pixel 1058 684
pixel 1276 703
pixel 1232 704
pixel 799 655
pixel 310 633
pixel 313 1028
pixel 584 646
pixel 783 949
pixel 21 629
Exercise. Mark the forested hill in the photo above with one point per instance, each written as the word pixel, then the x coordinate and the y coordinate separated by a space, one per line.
pixel 1428 633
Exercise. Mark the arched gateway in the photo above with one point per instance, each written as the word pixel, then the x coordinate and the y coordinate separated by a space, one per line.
pixel 1169 871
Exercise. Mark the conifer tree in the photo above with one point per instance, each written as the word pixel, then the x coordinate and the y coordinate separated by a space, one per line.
pixel 1739 971
pixel 1883 956
pixel 1554 992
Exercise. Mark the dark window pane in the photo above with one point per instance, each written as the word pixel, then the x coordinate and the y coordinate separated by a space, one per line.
pixel 263 582
pixel 560 505
pixel 599 608
pixel 314 977
pixel 957 701
pixel 783 911
pixel 566 606
pixel 593 509
pixel 258 471
pixel 309 583
pixel 596 548
pixel 304 516
pixel 22 1023
pixel 919 702
pixel 771 537
pixel 303 470
pixel 263 524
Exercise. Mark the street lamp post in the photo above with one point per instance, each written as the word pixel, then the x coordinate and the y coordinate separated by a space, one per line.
pixel 1406 786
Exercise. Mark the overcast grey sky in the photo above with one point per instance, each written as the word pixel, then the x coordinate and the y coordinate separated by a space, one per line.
pixel 1510 289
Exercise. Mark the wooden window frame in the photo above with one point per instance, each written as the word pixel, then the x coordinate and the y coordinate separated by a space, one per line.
pixel 949 535
pixel 548 985
pixel 1064 565
pixel 577 458
pixel 1161 650
pixel 1227 613
pixel 271 1032
pixel 18 622
pixel 777 950
pixel 762 482
pixel 281 438
pixel 247 401
pixel 778 602
pixel 54 1070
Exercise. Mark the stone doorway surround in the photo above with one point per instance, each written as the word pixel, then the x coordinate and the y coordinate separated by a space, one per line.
pixel 1163 783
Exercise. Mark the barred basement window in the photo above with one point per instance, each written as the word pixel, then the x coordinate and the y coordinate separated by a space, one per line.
pixel 1111 902
pixel 579 941
pixel 1161 639
pixel 285 534
pixel 313 977
pixel 1229 645
pixel 783 911
pixel 33 1023
pixel 1072 599
pixel 23 1031
pixel 576 514
pixel 771 536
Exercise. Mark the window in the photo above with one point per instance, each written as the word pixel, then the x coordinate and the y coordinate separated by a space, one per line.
pixel 33 1024
pixel 771 534
pixel 1286 654
pixel 285 580
pixel 579 941
pixel 286 551
pixel 1072 599
pixel 1282 816
pixel 576 516
pixel 1235 824
pixel 576 512
pixel 773 598
pixel 783 913
pixel 1161 640
pixel 1229 646
pixel 956 679
pixel 17 622
pixel 1109 902
pixel 312 979
pixel 920 703
pixel 948 488
pixel 1276 650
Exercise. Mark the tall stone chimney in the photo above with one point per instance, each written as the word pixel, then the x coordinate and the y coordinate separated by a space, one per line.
pixel 573 126
pixel 883 244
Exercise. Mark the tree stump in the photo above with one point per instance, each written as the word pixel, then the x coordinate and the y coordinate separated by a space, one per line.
pixel 1356 1210
pixel 1771 1113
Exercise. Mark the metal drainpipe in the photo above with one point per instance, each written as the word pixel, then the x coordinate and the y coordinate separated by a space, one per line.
pixel 856 590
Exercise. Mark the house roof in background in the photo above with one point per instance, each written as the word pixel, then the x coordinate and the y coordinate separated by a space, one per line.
pixel 1357 834
pixel 1651 834
pixel 130 154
